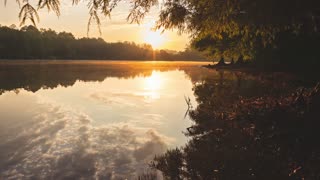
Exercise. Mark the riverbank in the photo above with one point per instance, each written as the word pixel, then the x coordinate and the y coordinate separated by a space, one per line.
pixel 303 68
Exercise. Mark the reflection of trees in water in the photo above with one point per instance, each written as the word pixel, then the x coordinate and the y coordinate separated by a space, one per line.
pixel 34 75
pixel 247 128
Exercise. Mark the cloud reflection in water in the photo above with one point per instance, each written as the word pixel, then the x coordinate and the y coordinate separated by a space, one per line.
pixel 56 142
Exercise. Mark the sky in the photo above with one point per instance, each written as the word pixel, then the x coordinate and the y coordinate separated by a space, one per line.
pixel 74 19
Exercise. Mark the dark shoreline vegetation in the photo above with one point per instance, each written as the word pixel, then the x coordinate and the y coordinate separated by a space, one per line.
pixel 289 51
pixel 243 131
pixel 30 43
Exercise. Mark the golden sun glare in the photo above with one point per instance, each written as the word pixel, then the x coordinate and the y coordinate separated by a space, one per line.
pixel 152 86
pixel 155 38
pixel 153 82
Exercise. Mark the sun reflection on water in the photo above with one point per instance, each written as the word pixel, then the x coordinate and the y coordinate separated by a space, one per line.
pixel 152 86
pixel 154 82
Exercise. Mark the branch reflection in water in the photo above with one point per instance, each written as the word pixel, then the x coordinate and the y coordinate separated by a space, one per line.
pixel 249 128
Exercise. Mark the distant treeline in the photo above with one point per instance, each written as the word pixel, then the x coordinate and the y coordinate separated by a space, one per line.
pixel 31 43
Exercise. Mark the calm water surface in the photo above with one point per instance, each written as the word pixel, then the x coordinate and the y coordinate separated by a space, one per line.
pixel 90 119
pixel 107 120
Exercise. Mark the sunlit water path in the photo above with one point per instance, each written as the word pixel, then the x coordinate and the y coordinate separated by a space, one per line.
pixel 103 120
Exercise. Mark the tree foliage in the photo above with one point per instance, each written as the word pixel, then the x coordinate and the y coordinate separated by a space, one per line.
pixel 31 43
pixel 239 26
pixel 220 27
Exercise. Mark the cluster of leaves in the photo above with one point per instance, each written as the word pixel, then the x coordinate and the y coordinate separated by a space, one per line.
pixel 96 8
pixel 139 8
pixel 31 43
pixel 261 137
pixel 235 27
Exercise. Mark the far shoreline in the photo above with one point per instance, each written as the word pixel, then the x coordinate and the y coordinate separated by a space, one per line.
pixel 75 61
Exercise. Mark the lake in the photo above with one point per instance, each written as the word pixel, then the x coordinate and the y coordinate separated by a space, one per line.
pixel 106 119
pixel 88 119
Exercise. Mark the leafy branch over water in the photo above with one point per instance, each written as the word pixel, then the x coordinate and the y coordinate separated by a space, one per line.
pixel 139 8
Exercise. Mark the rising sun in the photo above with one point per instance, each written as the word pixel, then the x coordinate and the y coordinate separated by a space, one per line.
pixel 155 38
